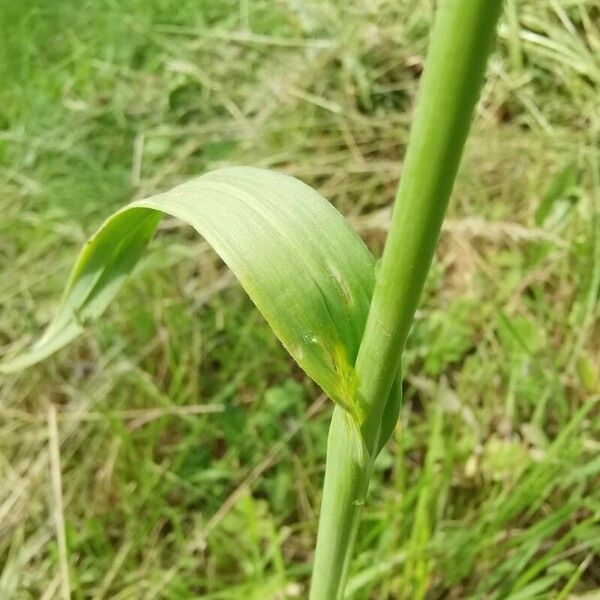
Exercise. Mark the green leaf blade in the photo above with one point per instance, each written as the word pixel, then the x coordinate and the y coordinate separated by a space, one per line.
pixel 307 272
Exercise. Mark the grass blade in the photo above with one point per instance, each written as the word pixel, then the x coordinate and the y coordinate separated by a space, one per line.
pixel 308 273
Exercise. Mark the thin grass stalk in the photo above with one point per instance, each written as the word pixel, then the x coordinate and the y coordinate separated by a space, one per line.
pixel 460 43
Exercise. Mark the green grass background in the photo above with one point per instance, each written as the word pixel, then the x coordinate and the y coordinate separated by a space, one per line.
pixel 191 448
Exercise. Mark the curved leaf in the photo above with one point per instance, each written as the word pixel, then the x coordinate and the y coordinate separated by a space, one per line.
pixel 307 272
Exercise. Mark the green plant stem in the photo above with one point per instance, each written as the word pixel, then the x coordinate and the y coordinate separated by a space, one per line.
pixel 460 44
pixel 344 489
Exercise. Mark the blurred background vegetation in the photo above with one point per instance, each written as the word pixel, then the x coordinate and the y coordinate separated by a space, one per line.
pixel 192 449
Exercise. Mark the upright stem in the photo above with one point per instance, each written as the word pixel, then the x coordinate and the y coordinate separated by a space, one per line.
pixel 460 44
